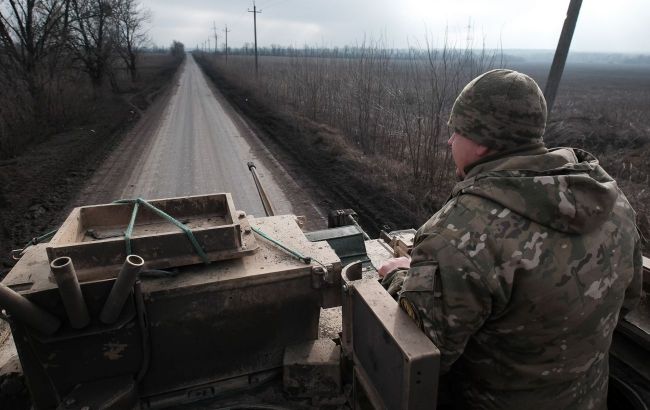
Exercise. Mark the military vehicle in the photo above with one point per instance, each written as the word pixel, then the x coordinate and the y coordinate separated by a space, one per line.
pixel 165 303
pixel 144 319
pixel 189 303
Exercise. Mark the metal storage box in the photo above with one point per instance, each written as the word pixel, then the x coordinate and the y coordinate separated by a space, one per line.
pixel 93 236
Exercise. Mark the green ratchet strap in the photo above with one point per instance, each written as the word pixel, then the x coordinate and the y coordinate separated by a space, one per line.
pixel 17 253
pixel 305 259
pixel 295 254
pixel 41 238
pixel 129 229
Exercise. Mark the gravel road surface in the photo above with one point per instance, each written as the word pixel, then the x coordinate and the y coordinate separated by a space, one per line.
pixel 192 142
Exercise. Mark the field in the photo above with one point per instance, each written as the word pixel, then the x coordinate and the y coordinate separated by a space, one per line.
pixel 604 110
pixel 370 129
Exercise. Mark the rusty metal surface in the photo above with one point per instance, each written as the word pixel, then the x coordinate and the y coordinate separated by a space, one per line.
pixel 215 224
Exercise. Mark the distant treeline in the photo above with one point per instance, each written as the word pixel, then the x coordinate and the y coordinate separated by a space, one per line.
pixel 55 55
pixel 512 56
pixel 546 57
pixel 346 51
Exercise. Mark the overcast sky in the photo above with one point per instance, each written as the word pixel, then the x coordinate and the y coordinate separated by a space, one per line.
pixel 603 25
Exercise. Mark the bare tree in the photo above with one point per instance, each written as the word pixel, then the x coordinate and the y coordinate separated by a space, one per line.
pixel 30 30
pixel 93 36
pixel 177 49
pixel 131 19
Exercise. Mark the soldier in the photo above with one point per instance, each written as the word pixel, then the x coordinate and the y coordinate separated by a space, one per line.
pixel 520 278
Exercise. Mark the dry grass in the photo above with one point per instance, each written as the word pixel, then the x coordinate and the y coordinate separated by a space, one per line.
pixel 68 101
pixel 390 108
pixel 388 115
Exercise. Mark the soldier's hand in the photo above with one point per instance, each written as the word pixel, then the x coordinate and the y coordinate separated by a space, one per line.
pixel 403 262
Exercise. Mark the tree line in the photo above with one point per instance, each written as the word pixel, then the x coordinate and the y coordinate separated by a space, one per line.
pixel 53 51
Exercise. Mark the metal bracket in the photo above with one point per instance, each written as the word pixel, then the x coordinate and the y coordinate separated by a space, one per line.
pixel 16 254
pixel 317 277
pixel 322 276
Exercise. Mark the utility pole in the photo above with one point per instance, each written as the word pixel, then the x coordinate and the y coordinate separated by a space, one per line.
pixel 209 44
pixel 255 12
pixel 226 31
pixel 555 75
pixel 214 28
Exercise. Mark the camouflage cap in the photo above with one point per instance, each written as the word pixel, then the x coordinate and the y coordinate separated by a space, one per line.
pixel 501 109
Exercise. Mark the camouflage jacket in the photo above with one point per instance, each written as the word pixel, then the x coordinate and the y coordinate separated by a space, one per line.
pixel 519 280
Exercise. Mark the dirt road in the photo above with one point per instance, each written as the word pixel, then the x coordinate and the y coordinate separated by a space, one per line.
pixel 192 142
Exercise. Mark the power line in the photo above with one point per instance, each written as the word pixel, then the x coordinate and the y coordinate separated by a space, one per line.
pixel 255 13
pixel 226 31
pixel 214 28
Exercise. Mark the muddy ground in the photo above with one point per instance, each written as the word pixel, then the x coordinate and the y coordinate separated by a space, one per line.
pixel 39 185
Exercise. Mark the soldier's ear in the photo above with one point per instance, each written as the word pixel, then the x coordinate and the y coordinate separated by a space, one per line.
pixel 482 151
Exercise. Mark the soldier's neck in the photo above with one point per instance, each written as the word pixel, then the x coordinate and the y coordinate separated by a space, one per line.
pixel 529 149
